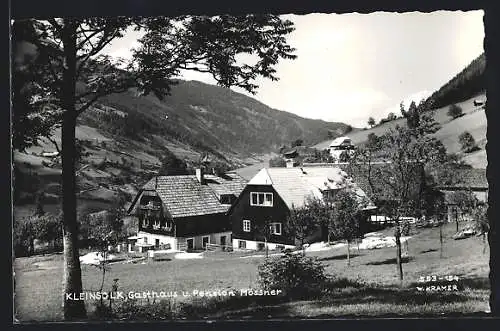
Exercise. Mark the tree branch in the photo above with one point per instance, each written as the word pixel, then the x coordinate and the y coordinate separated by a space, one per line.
pixel 97 96
pixel 106 39
pixel 55 144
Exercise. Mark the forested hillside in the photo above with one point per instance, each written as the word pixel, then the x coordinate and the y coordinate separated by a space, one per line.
pixel 466 84
pixel 208 118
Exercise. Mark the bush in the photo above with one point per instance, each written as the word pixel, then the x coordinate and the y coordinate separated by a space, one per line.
pixel 46 228
pixel 296 275
pixel 133 310
pixel 455 111
pixel 467 142
pixel 277 162
pixel 23 237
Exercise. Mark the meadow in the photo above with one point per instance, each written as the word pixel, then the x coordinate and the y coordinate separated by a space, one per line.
pixel 371 286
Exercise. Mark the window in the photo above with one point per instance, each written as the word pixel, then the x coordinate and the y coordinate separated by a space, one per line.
pixel 261 199
pixel 246 225
pixel 156 224
pixel 242 244
pixel 227 199
pixel 275 228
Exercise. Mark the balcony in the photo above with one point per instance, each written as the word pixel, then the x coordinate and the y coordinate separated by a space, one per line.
pixel 150 206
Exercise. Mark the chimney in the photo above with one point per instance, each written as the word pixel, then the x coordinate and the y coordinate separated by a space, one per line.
pixel 200 175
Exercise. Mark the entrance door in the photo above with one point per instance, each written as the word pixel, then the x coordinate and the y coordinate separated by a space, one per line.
pixel 190 244
pixel 157 243
pixel 205 241
pixel 223 242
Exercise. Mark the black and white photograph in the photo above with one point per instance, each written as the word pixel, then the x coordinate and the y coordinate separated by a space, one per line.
pixel 249 166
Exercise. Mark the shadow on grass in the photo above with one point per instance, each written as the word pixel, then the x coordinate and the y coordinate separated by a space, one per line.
pixel 391 261
pixel 162 259
pixel 342 296
pixel 429 250
pixel 338 257
pixel 343 292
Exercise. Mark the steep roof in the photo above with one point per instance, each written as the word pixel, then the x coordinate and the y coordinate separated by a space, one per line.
pixel 184 196
pixel 467 178
pixel 228 183
pixel 338 141
pixel 296 185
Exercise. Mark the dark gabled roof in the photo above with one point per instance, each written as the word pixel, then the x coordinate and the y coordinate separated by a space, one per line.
pixel 228 183
pixel 467 178
pixel 184 196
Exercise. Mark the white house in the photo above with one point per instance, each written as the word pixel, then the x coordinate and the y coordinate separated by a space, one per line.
pixel 340 145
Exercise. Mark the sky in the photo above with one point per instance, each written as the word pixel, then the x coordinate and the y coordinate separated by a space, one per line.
pixel 353 66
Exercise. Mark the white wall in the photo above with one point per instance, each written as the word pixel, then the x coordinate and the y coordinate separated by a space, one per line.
pixel 214 238
pixel 252 245
pixel 164 239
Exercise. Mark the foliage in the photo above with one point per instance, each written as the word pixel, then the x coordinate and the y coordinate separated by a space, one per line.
pixel 39 200
pixel 372 141
pixel 297 142
pixel 45 227
pixel 466 84
pixel 298 276
pixel 371 122
pixel 319 156
pixel 102 229
pixel 465 200
pixel 23 237
pixel 219 167
pixel 277 162
pixel 344 156
pixel 70 74
pixel 391 117
pixel 171 165
pixel 467 142
pixel 344 222
pixel 412 116
pixel 480 218
pixel 455 111
pixel 303 222
pixel 447 172
pixel 402 109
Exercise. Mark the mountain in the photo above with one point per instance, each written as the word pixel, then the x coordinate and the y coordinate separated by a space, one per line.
pixel 124 137
pixel 466 84
pixel 210 118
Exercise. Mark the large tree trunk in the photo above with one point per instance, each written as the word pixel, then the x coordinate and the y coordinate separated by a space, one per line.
pixel 491 46
pixel 73 309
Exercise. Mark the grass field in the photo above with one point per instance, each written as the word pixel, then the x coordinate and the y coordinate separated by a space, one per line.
pixel 474 121
pixel 39 279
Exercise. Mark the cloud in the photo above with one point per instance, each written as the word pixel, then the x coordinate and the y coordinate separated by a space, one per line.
pixel 124 52
pixel 417 97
